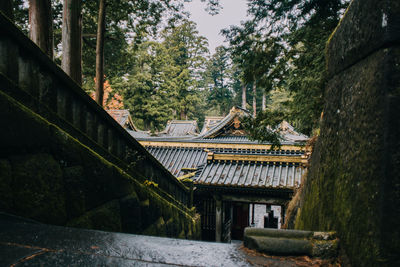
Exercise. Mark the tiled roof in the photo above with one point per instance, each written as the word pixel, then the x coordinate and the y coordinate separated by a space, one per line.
pixel 180 128
pixel 221 124
pixel 210 122
pixel 276 175
pixel 289 134
pixel 123 117
pixel 139 134
pixel 176 158
pixel 280 169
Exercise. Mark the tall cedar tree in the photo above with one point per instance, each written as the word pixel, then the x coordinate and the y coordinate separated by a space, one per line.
pixel 188 50
pixel 41 25
pixel 72 40
pixel 100 53
pixel 219 71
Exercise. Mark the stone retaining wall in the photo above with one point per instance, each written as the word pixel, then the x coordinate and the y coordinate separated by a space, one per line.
pixel 48 176
pixel 353 185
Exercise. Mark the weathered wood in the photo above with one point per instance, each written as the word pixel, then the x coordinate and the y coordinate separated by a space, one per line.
pixel 100 53
pixel 254 199
pixel 72 40
pixel 41 25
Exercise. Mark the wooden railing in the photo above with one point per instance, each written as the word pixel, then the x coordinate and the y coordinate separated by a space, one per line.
pixel 33 79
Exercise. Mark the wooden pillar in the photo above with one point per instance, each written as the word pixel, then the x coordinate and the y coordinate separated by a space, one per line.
pixel 252 214
pixel 283 210
pixel 218 220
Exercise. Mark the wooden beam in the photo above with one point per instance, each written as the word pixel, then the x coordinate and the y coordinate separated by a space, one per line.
pixel 256 199
pixel 257 158
pixel 218 145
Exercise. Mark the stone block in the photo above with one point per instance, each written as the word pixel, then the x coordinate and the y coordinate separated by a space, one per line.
pixel 269 232
pixel 279 246
pixel 105 217
pixel 38 188
pixel 131 219
pixel 367 26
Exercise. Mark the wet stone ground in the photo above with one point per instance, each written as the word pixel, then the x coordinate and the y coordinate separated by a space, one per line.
pixel 26 243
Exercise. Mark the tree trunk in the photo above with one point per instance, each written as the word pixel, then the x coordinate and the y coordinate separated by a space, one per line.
pixel 243 96
pixel 254 99
pixel 264 101
pixel 100 53
pixel 41 25
pixel 183 114
pixel 72 40
pixel 6 8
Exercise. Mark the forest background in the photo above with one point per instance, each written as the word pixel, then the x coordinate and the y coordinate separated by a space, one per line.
pixel 157 65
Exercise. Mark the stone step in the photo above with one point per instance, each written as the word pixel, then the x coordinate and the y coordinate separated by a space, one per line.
pixel 271 232
pixel 278 246
pixel 291 242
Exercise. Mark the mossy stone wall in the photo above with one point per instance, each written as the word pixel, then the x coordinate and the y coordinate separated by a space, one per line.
pixel 353 184
pixel 48 176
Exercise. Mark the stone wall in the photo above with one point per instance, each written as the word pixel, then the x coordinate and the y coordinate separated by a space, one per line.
pixel 48 176
pixel 353 185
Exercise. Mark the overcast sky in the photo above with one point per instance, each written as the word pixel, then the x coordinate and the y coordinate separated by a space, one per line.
pixel 209 26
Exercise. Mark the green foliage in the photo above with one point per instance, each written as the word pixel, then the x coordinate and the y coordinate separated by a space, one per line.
pixel 282 45
pixel 188 50
pixel 263 127
pixel 149 87
pixel 21 16
pixel 163 81
pixel 126 22
pixel 219 75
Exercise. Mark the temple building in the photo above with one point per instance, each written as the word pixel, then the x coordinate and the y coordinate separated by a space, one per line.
pixel 238 182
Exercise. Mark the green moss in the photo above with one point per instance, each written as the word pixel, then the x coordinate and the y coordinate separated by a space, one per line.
pixel 351 163
pixel 182 235
pixel 38 188
pixel 158 228
pixel 74 191
pixel 62 181
pixel 106 217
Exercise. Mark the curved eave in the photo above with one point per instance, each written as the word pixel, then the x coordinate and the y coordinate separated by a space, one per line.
pixel 204 188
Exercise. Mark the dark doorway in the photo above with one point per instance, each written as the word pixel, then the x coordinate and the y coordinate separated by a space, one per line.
pixel 240 220
pixel 207 211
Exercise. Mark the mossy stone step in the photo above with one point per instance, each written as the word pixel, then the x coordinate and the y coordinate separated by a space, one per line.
pixel 279 246
pixel 291 242
pixel 270 232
